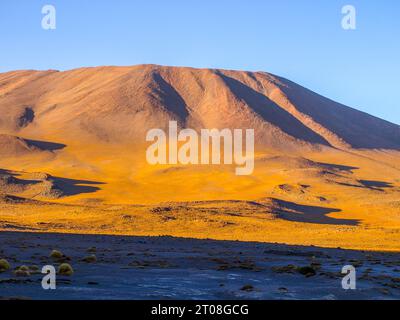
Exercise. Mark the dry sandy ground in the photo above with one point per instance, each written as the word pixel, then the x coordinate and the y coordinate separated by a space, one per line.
pixel 330 199
pixel 177 268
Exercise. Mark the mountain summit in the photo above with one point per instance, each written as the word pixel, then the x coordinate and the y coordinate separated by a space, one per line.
pixel 116 104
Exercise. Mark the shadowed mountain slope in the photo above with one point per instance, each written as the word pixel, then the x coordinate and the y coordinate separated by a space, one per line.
pixel 17 146
pixel 116 104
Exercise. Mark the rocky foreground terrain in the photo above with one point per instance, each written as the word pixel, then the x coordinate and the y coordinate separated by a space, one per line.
pixel 117 267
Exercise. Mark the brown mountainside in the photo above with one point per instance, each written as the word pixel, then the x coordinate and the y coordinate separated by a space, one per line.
pixel 119 104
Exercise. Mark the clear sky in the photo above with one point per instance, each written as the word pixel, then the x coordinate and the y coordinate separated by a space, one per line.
pixel 301 40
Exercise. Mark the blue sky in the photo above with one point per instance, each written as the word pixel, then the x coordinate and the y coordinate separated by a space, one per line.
pixel 301 40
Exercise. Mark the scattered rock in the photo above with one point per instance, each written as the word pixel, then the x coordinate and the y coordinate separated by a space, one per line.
pixel 4 265
pixel 90 259
pixel 247 288
pixel 285 269
pixel 55 254
pixel 22 271
pixel 307 271
pixel 150 264
pixel 59 256
pixel 65 269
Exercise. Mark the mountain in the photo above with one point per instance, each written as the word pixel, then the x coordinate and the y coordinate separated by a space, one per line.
pixel 16 146
pixel 72 159
pixel 120 104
